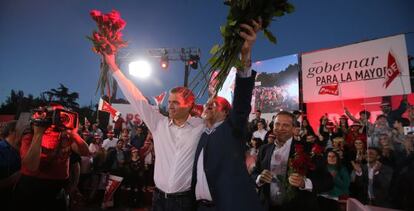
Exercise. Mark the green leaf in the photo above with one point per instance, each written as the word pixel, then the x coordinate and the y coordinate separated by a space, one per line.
pixel 290 8
pixel 232 23
pixel 268 34
pixel 278 13
pixel 215 49
pixel 223 30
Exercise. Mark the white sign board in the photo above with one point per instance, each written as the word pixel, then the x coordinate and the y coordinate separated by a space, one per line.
pixel 367 69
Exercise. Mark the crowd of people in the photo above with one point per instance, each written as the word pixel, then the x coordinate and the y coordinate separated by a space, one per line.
pixel 70 168
pixel 369 161
pixel 217 162
pixel 273 99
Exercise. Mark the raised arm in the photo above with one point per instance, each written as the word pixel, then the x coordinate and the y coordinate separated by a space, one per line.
pixel 350 116
pixel 134 95
pixel 245 78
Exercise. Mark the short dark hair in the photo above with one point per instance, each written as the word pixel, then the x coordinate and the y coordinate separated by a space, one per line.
pixel 8 128
pixel 381 116
pixel 367 113
pixel 287 113
pixel 184 92
pixel 404 121
pixel 258 110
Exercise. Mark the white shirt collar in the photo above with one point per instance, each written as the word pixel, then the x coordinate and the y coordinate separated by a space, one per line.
pixel 287 143
pixel 189 121
pixel 212 129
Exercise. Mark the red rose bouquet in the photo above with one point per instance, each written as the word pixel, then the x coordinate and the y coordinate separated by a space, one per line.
pixel 300 164
pixel 317 150
pixel 107 39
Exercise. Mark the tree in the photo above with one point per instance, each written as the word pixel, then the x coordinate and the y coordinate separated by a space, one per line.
pixel 17 103
pixel 62 96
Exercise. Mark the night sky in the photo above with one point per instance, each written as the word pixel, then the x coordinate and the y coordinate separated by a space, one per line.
pixel 43 42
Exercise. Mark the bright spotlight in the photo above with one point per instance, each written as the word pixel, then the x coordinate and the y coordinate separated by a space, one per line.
pixel 140 69
pixel 293 89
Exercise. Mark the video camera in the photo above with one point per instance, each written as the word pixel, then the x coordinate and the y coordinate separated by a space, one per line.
pixel 58 117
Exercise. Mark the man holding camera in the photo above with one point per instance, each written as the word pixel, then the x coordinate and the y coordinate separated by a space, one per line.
pixel 45 152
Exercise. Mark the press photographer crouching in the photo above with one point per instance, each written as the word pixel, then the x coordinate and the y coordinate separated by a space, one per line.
pixel 45 152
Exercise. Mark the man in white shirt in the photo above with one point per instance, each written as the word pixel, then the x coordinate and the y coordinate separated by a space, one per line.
pixel 272 169
pixel 175 141
pixel 110 141
pixel 260 132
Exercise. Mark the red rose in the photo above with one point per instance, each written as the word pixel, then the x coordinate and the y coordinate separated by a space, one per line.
pixel 96 36
pixel 114 16
pixel 105 19
pixel 299 148
pixel 317 149
pixel 120 24
pixel 95 13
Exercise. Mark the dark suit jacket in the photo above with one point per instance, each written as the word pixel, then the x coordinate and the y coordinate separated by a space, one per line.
pixel 381 186
pixel 230 186
pixel 304 200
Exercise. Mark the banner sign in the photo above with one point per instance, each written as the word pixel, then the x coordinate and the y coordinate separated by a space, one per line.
pixel 367 69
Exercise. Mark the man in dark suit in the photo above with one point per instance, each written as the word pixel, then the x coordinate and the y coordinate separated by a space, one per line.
pixel 220 179
pixel 272 172
pixel 373 180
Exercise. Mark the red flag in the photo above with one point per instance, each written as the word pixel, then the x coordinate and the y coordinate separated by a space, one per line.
pixel 329 90
pixel 160 98
pixel 106 107
pixel 392 70
pixel 113 183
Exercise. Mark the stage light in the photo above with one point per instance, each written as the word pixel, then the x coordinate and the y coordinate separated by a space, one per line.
pixel 164 62
pixel 140 69
pixel 193 62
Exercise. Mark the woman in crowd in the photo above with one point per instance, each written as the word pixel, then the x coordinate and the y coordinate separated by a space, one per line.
pixel 260 132
pixel 388 155
pixel 343 126
pixel 306 129
pixel 96 145
pixel 135 179
pixel 329 201
pixel 251 154
pixel 358 154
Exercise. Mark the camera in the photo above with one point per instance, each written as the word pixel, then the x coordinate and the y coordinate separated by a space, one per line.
pixel 53 116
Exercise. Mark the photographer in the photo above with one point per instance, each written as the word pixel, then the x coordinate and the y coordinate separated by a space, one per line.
pixel 45 153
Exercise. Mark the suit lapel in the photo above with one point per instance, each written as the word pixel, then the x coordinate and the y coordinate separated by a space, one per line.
pixel 268 156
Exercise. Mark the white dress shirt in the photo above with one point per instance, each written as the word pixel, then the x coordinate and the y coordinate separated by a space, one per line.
pixel 279 166
pixel 202 190
pixel 174 145
pixel 107 143
pixel 260 134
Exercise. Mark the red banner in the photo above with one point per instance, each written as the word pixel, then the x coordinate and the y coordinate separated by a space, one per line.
pixel 111 187
pixel 392 70
pixel 106 107
pixel 329 90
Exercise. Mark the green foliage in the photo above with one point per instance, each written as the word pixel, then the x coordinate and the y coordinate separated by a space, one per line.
pixel 226 56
